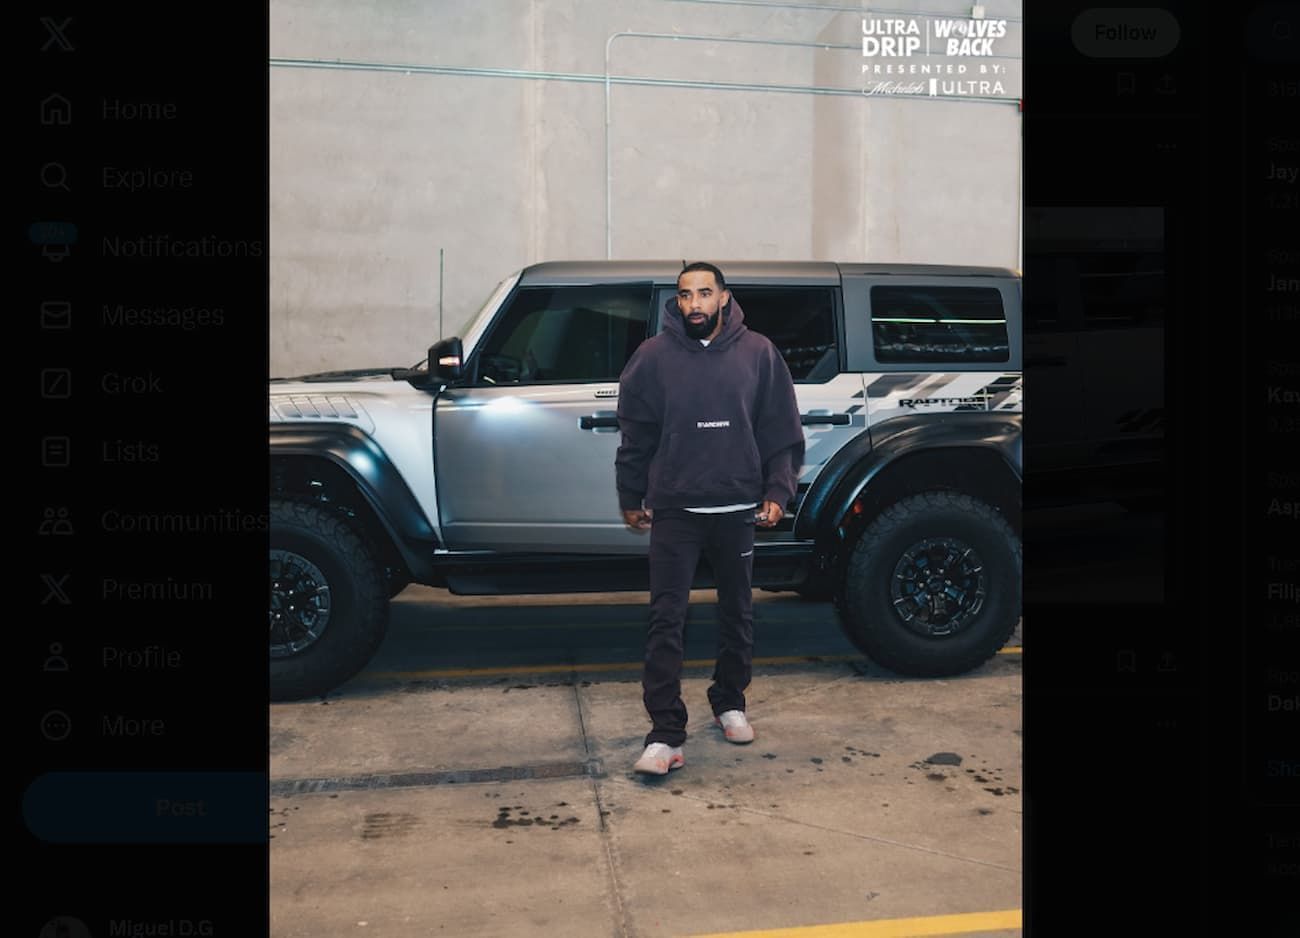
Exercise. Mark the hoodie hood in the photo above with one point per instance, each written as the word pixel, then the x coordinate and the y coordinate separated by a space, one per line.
pixel 733 326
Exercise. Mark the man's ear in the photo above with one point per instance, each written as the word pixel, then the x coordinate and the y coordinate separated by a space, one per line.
pixel 726 297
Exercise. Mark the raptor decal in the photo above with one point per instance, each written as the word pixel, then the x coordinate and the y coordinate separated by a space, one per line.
pixel 891 395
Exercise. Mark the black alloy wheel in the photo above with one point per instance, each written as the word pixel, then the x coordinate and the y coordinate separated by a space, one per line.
pixel 938 586
pixel 300 603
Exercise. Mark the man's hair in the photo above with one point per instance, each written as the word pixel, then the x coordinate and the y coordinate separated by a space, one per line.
pixel 701 265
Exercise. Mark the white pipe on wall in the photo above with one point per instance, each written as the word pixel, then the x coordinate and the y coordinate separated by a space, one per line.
pixel 838 9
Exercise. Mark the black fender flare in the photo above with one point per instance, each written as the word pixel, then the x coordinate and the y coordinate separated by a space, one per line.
pixel 865 457
pixel 375 477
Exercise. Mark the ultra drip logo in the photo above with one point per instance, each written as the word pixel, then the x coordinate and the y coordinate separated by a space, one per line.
pixel 890 45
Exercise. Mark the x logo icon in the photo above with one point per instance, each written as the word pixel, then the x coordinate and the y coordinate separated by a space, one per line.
pixel 56 34
pixel 54 589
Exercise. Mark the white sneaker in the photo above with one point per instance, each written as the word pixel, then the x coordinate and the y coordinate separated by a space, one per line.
pixel 659 759
pixel 735 726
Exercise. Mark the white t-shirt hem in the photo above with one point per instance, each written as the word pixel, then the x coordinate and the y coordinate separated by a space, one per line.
pixel 719 509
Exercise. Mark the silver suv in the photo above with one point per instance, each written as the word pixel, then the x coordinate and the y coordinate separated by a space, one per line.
pixel 491 470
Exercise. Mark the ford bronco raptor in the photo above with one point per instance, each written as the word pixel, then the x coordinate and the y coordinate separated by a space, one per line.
pixel 490 470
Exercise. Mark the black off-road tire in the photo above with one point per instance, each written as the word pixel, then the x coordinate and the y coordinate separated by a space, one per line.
pixel 874 599
pixel 318 557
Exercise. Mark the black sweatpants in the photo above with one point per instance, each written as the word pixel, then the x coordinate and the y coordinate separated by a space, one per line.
pixel 677 539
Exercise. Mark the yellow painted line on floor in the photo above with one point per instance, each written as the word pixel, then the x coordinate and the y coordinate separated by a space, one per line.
pixel 598 666
pixel 963 924
pixel 602 666
pixel 517 669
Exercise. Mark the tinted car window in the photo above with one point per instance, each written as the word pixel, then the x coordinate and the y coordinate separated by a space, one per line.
pixel 583 333
pixel 938 324
pixel 800 322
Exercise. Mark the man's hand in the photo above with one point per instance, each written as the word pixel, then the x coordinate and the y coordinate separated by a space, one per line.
pixel 769 515
pixel 638 518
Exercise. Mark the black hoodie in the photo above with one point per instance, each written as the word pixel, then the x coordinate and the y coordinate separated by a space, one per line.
pixel 707 426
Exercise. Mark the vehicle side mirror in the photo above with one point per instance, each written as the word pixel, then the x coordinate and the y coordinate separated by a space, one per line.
pixel 447 360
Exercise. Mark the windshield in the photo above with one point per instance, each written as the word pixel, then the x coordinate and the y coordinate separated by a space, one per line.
pixel 474 327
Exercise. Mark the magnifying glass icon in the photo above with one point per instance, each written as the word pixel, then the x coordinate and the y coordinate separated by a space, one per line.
pixel 55 176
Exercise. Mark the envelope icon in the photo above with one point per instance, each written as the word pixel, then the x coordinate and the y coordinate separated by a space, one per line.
pixel 56 314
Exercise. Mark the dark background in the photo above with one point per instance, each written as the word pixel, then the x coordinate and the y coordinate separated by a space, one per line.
pixel 196 82
pixel 1191 840
pixel 1182 847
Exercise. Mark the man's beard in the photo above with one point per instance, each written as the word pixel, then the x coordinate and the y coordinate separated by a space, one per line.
pixel 704 329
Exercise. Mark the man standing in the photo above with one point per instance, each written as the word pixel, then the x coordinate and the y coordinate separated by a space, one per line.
pixel 710 429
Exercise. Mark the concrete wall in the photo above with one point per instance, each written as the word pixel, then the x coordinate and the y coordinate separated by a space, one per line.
pixel 373 172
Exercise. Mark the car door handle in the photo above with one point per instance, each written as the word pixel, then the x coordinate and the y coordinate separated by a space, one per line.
pixel 595 422
pixel 817 420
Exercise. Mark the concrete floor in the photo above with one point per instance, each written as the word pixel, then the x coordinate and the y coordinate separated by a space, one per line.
pixel 380 826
